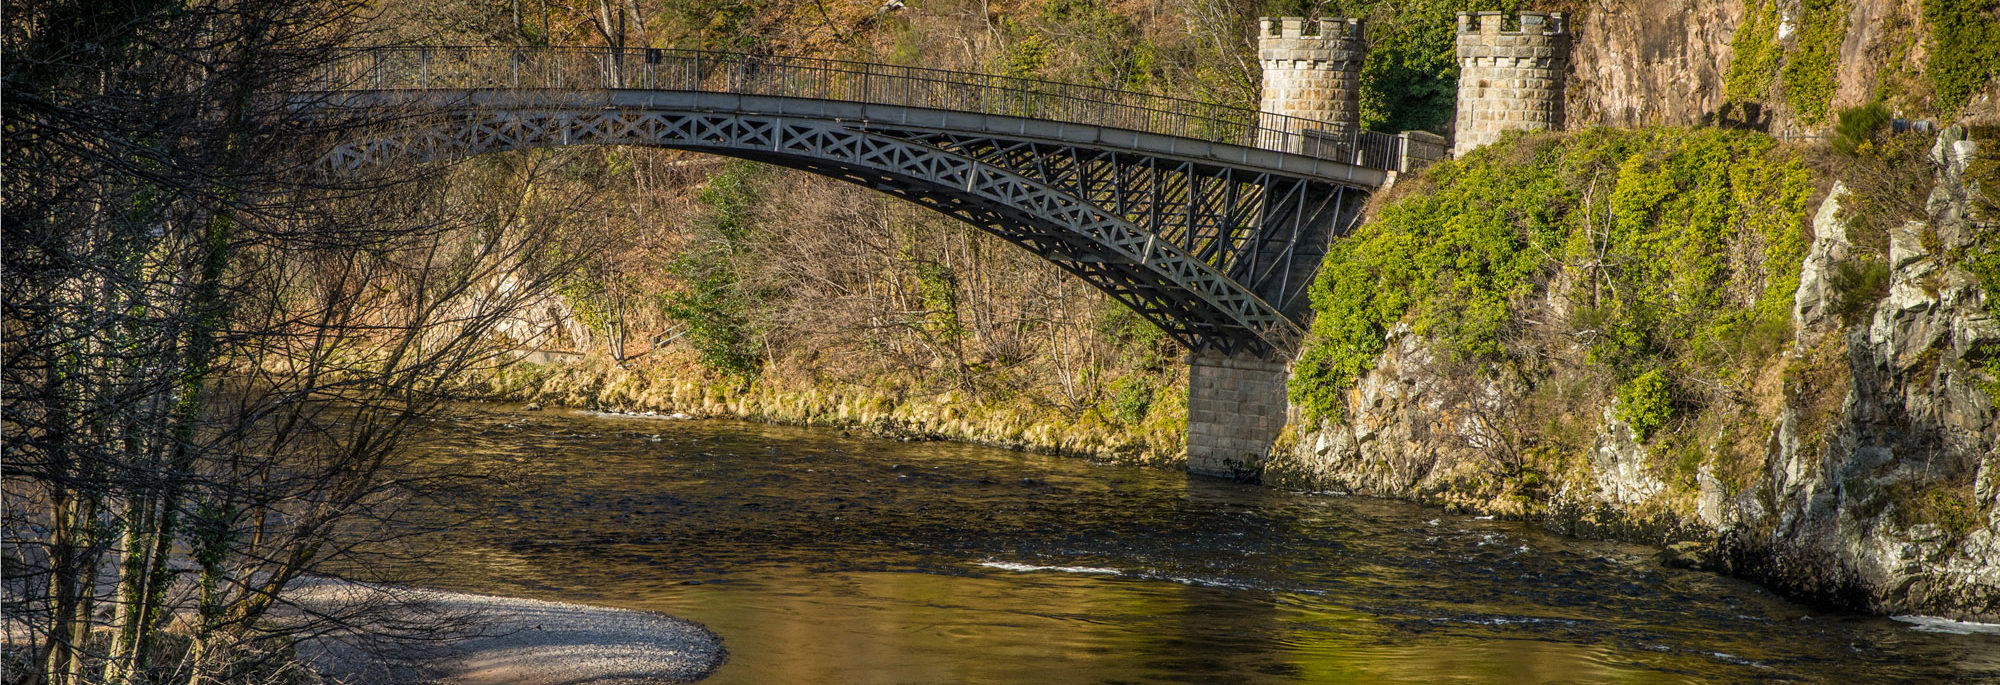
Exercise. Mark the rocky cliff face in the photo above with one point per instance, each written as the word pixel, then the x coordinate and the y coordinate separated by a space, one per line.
pixel 1874 486
pixel 1653 63
pixel 1893 508
pixel 1643 63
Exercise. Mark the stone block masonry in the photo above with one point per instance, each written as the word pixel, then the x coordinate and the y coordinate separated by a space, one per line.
pixel 1236 409
pixel 1510 78
pixel 1312 70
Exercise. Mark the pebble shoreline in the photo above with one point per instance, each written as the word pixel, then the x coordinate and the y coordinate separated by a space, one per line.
pixel 511 640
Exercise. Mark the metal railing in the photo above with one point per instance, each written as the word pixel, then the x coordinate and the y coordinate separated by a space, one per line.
pixel 557 68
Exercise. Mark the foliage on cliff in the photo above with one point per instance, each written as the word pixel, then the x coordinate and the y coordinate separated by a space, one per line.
pixel 1757 54
pixel 1964 54
pixel 1668 251
pixel 1805 59
pixel 1928 60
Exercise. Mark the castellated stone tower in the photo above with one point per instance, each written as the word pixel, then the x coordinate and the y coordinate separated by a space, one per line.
pixel 1509 78
pixel 1311 71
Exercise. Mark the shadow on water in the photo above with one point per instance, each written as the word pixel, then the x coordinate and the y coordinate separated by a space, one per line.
pixel 824 558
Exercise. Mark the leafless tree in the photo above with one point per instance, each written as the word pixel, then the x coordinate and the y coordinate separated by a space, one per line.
pixel 214 351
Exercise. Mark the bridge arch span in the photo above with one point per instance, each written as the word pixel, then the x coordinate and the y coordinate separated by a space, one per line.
pixel 1208 220
pixel 1214 243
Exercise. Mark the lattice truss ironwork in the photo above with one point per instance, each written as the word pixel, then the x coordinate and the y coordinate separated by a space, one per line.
pixel 1219 257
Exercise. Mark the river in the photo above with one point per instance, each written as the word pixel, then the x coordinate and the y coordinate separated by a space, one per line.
pixel 824 558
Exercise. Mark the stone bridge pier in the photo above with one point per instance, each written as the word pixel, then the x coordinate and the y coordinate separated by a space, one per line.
pixel 1236 398
pixel 1236 409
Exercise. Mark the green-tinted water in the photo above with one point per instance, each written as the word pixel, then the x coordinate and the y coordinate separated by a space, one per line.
pixel 821 558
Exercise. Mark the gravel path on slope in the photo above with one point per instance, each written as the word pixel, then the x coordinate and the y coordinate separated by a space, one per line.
pixel 496 640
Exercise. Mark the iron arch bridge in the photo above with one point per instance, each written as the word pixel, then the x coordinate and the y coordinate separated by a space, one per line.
pixel 1208 220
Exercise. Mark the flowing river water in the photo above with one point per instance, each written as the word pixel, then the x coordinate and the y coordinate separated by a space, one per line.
pixel 824 558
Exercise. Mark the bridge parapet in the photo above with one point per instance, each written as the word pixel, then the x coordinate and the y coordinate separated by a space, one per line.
pixel 578 69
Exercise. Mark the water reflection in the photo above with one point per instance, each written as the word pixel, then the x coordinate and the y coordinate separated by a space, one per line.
pixel 822 558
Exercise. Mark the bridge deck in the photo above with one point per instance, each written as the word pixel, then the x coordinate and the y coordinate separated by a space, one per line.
pixel 867 115
pixel 896 95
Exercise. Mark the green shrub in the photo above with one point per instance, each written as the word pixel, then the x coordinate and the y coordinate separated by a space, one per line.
pixel 1025 58
pixel 1951 510
pixel 1142 344
pixel 1646 403
pixel 1945 504
pixel 1982 258
pixel 1855 133
pixel 1983 261
pixel 587 298
pixel 1857 285
pixel 937 293
pixel 1987 361
pixel 1131 398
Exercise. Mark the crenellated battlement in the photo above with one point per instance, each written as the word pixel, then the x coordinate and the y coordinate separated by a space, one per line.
pixel 1534 40
pixel 1294 43
pixel 1329 28
pixel 1524 24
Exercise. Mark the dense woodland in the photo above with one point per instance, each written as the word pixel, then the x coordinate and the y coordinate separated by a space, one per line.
pixel 216 359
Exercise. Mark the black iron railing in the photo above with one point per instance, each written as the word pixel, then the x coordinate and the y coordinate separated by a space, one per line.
pixel 454 68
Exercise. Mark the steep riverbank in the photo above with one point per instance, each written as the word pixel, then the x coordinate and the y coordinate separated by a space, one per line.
pixel 1655 351
pixel 1151 436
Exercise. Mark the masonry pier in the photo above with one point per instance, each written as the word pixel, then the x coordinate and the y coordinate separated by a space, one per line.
pixel 1236 408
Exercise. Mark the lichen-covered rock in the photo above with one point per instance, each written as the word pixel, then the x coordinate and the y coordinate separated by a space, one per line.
pixel 1624 475
pixel 1830 246
pixel 1884 518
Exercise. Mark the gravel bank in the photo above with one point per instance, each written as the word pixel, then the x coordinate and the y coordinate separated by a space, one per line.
pixel 481 639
